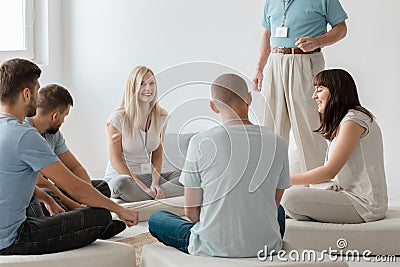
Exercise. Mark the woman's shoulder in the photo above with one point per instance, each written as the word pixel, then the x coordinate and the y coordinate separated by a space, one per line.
pixel 118 113
pixel 161 115
pixel 116 118
pixel 354 114
pixel 358 117
pixel 162 112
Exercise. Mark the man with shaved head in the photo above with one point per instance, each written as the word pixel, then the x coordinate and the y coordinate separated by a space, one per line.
pixel 234 178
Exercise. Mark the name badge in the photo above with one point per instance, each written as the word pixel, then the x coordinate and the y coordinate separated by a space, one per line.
pixel 281 32
pixel 145 168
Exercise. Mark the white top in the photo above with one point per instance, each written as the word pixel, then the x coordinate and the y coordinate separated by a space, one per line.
pixel 362 178
pixel 133 149
pixel 239 167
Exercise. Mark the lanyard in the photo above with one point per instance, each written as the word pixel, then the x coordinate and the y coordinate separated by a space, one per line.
pixel 145 140
pixel 285 9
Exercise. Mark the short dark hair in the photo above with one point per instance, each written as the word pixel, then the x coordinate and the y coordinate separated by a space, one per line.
pixel 15 75
pixel 343 97
pixel 52 97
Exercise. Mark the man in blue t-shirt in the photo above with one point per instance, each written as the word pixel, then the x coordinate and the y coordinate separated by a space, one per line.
pixel 24 153
pixel 295 31
pixel 53 105
pixel 234 177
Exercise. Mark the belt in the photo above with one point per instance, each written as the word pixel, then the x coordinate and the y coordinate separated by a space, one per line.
pixel 286 50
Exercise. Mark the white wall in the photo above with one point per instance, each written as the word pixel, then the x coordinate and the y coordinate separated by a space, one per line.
pixel 48 41
pixel 103 39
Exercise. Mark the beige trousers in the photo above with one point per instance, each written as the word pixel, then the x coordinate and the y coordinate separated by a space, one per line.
pixel 289 107
pixel 312 204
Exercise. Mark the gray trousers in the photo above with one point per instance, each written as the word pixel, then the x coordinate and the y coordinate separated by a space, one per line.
pixel 312 204
pixel 123 187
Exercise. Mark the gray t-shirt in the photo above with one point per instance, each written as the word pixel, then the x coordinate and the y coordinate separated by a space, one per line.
pixel 239 168
pixel 362 178
pixel 138 149
pixel 22 153
pixel 56 141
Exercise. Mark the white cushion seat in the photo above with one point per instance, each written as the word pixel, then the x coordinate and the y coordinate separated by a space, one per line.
pixel 380 237
pixel 98 254
pixel 158 255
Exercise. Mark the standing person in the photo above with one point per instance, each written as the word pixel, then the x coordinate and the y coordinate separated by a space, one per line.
pixel 354 159
pixel 24 153
pixel 234 178
pixel 295 31
pixel 135 133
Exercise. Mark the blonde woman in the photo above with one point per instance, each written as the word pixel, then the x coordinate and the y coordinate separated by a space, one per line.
pixel 135 134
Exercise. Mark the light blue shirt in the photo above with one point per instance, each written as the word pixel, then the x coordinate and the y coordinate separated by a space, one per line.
pixel 303 18
pixel 56 141
pixel 239 168
pixel 23 152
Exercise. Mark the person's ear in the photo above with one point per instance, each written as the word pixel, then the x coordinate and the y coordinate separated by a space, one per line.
pixel 249 99
pixel 55 115
pixel 26 93
pixel 214 107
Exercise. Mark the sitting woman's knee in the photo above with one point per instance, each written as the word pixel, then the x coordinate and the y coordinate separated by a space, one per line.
pixel 292 196
pixel 118 183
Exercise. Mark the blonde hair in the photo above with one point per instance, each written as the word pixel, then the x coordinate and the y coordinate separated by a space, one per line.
pixel 132 112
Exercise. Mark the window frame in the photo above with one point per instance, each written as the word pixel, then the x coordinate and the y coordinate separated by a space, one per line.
pixel 29 35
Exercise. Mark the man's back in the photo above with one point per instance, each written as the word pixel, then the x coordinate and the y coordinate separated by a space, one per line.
pixel 239 167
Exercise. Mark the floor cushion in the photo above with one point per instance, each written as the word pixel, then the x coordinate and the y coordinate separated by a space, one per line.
pixel 158 255
pixel 380 237
pixel 98 254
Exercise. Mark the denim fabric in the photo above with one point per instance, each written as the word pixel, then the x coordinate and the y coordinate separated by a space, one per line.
pixel 37 209
pixel 64 231
pixel 174 231
pixel 281 220
pixel 170 229
pixel 100 185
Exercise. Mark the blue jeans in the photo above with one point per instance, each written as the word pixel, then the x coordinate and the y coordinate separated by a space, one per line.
pixel 174 231
pixel 64 231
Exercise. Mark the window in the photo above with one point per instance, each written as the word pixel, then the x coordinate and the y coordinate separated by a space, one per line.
pixel 17 19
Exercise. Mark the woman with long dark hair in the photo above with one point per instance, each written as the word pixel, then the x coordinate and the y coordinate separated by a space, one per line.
pixel 354 165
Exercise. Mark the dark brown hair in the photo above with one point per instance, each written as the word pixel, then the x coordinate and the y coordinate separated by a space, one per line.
pixel 52 97
pixel 15 75
pixel 343 97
